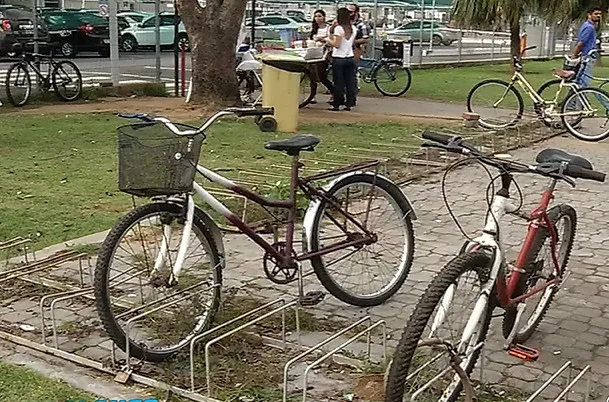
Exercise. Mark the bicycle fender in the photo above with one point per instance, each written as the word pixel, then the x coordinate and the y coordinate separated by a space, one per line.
pixel 307 222
pixel 210 225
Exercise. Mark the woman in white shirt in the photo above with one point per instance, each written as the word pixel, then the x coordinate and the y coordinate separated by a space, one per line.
pixel 343 62
pixel 319 32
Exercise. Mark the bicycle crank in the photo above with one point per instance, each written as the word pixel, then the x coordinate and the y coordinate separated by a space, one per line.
pixel 274 270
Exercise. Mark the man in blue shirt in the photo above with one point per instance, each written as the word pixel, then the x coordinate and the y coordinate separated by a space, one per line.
pixel 586 41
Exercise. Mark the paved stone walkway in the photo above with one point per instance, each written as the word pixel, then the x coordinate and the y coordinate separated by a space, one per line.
pixel 577 324
pixel 575 328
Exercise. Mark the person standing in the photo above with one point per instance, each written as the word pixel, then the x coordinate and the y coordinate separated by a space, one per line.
pixel 343 62
pixel 320 30
pixel 586 41
pixel 362 37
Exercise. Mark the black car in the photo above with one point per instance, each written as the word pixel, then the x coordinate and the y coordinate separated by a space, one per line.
pixel 17 26
pixel 73 32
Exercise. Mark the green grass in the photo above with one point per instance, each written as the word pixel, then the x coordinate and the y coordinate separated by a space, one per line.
pixel 452 84
pixel 59 172
pixel 24 385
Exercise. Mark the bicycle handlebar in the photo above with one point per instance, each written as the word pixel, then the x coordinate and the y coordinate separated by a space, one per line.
pixel 239 112
pixel 457 145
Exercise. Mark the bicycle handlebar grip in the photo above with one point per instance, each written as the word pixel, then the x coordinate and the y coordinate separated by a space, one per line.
pixel 529 48
pixel 437 137
pixel 578 172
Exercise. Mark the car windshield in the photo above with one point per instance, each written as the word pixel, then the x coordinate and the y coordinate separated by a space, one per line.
pixel 16 13
pixel 298 18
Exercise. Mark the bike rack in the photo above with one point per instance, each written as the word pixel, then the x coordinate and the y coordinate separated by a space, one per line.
pixel 570 383
pixel 83 290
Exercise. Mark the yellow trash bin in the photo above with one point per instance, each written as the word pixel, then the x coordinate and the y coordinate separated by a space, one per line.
pixel 281 90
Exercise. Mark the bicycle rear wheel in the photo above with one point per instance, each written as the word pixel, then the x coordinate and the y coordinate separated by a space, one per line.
pixel 498 103
pixel 18 84
pixel 126 283
pixel 379 269
pixel 540 268
pixel 585 113
pixel 392 79
pixel 67 81
pixel 412 366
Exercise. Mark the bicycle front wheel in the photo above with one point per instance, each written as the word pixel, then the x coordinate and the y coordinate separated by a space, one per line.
pixel 585 113
pixel 363 275
pixel 392 79
pixel 127 283
pixel 18 84
pixel 67 81
pixel 442 313
pixel 497 102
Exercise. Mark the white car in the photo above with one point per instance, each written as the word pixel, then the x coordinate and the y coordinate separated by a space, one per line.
pixel 142 35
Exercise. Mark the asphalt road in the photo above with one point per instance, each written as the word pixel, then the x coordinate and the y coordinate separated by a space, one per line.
pixel 140 66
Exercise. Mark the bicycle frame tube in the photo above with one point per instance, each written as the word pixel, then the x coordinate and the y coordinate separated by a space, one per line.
pixel 289 204
pixel 526 87
pixel 538 217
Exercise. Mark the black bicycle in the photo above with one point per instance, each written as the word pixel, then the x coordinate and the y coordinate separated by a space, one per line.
pixel 64 77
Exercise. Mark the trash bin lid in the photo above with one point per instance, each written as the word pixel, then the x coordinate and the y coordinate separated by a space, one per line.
pixel 285 61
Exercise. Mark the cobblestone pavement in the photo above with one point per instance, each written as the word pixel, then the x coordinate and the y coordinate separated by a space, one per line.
pixel 575 327
pixel 577 323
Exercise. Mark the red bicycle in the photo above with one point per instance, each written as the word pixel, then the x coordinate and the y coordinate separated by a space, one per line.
pixel 480 279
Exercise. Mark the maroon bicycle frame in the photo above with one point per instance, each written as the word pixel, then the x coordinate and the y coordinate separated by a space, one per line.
pixel 290 204
pixel 538 217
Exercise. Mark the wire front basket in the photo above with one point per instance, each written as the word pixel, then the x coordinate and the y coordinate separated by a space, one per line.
pixel 153 161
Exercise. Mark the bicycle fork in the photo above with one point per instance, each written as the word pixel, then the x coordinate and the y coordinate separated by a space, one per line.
pixel 163 255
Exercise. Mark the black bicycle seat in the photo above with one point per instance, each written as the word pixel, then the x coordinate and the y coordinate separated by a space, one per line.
pixel 552 155
pixel 303 142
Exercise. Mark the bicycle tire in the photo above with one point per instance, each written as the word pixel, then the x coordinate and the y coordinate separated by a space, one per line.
pixel 480 263
pixel 72 65
pixel 571 127
pixel 9 93
pixel 321 270
pixel 387 93
pixel 101 291
pixel 312 85
pixel 555 214
pixel 509 87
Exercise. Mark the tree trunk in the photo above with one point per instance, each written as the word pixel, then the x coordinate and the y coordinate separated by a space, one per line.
pixel 515 37
pixel 212 33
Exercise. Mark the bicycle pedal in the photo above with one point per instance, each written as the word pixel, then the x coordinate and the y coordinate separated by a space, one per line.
pixel 523 352
pixel 312 298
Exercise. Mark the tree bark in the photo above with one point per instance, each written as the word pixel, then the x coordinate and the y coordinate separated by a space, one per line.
pixel 515 37
pixel 212 33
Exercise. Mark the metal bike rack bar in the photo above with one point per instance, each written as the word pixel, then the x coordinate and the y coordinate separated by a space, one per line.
pixel 40 265
pixel 64 296
pixel 14 243
pixel 240 328
pixel 197 338
pixel 564 394
pixel 321 344
pixel 337 349
pixel 154 310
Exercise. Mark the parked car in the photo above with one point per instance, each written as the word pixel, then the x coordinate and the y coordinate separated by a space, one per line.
pixel 73 32
pixel 134 15
pixel 143 35
pixel 17 26
pixel 124 22
pixel 437 32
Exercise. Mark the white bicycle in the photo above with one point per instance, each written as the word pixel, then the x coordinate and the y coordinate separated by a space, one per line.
pixel 457 306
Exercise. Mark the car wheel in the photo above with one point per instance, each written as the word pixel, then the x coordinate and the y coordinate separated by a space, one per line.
pixel 447 42
pixel 129 43
pixel 183 41
pixel 67 49
pixel 436 40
